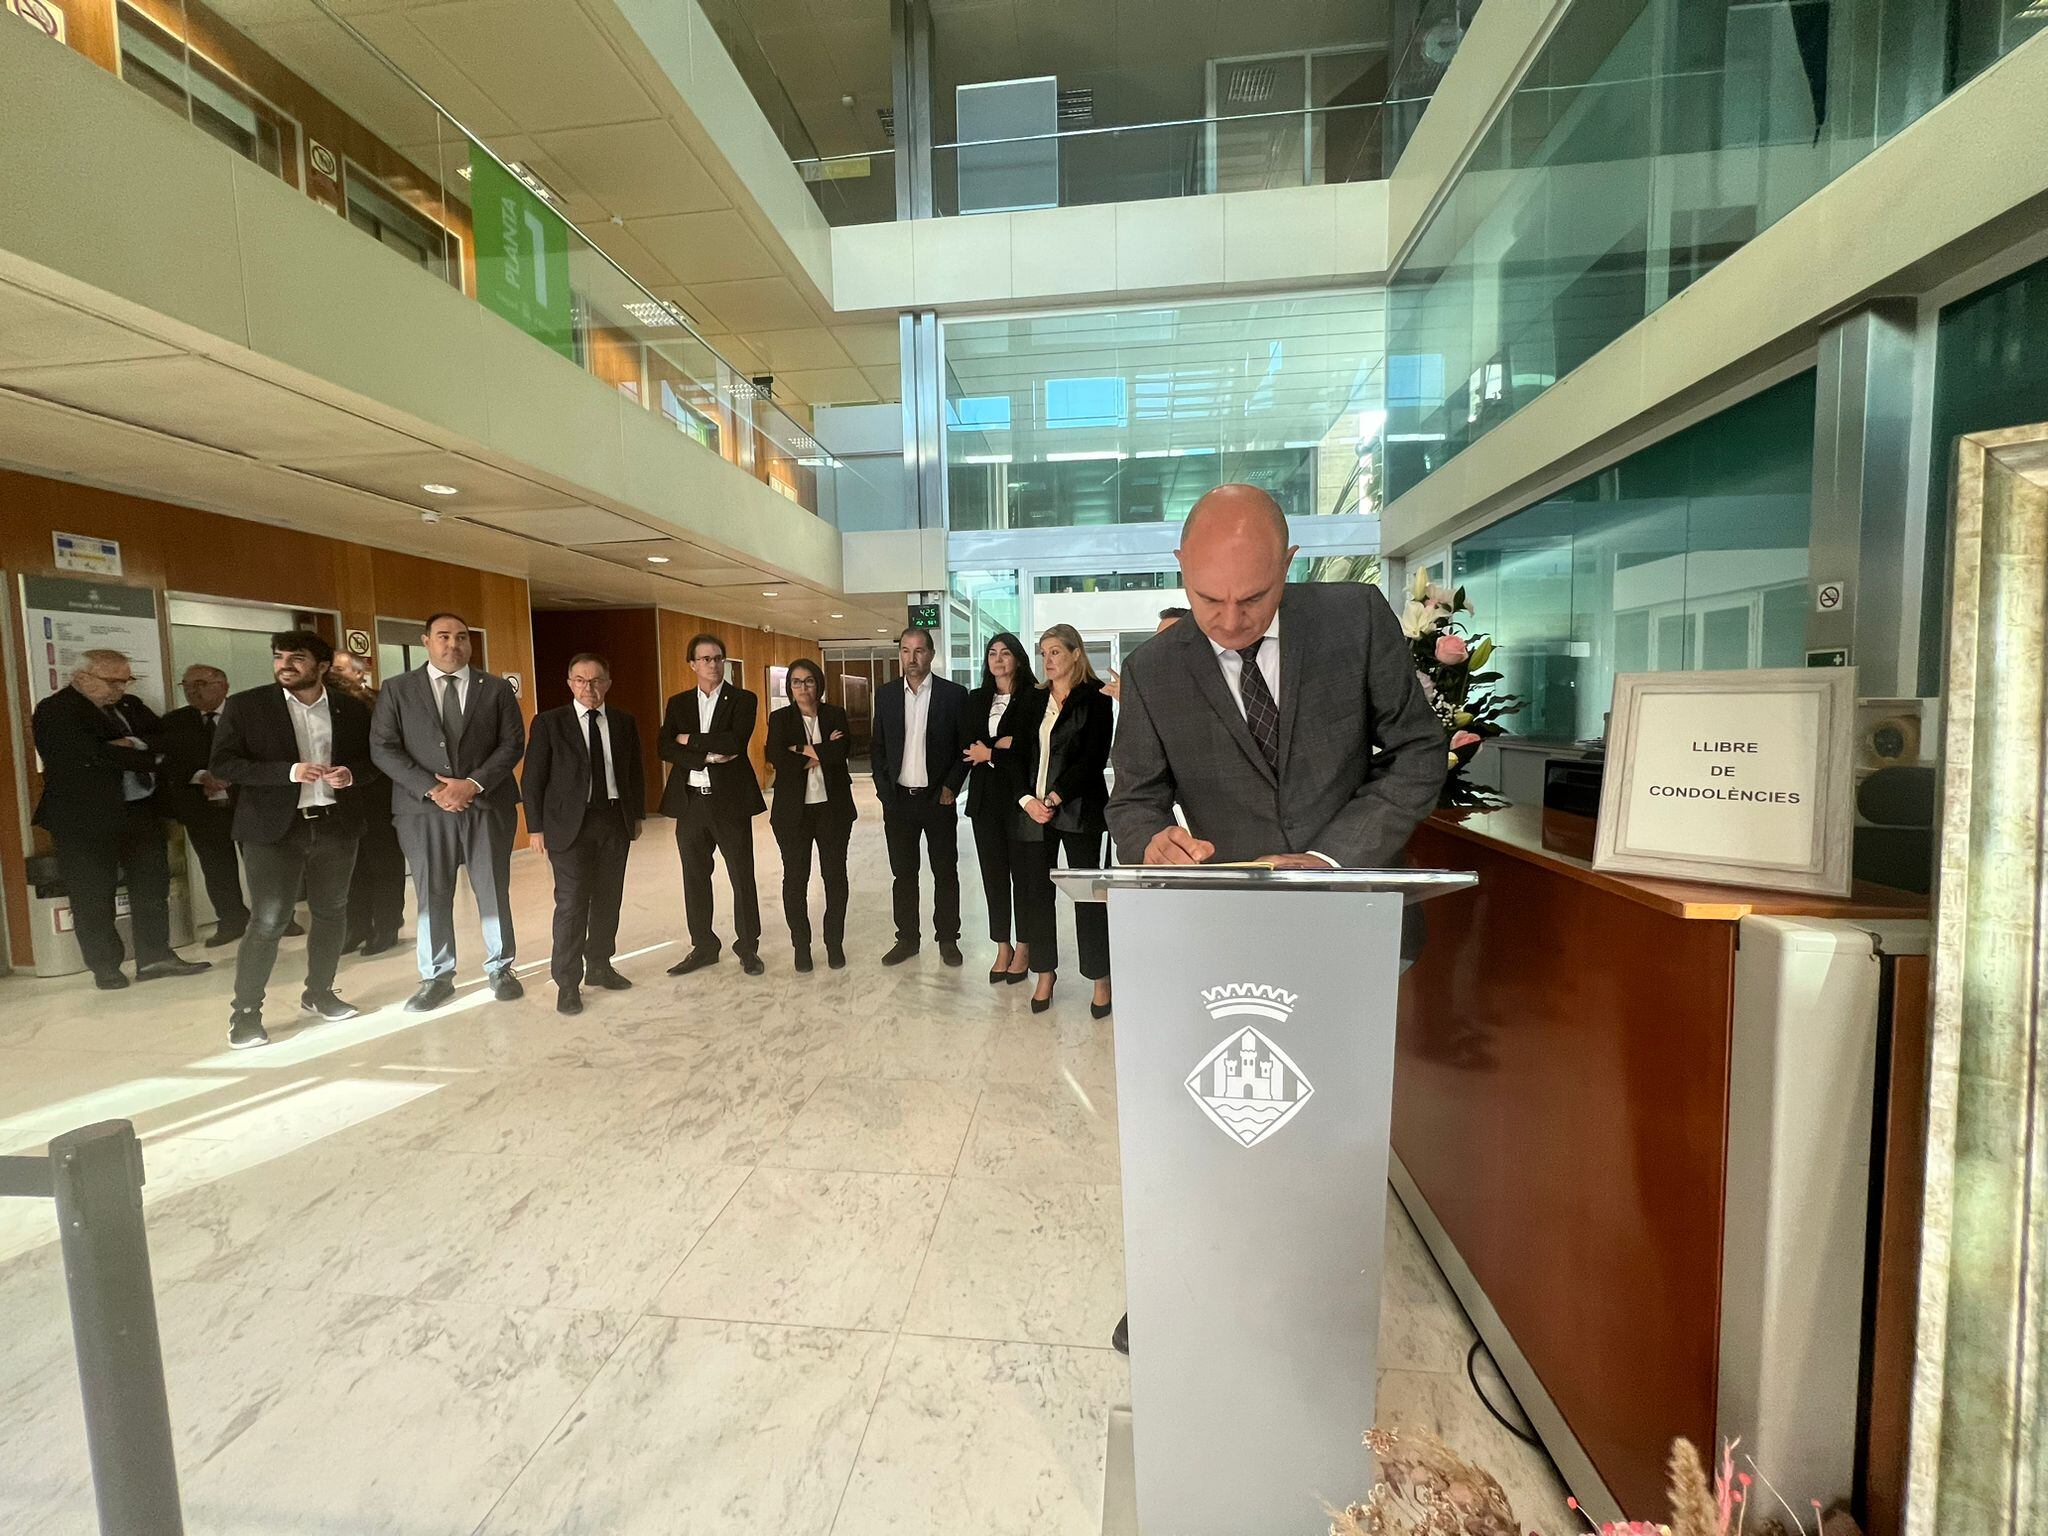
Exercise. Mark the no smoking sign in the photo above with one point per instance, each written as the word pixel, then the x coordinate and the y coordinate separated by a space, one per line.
pixel 1829 596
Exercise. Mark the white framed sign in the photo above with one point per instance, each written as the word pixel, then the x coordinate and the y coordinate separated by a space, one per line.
pixel 64 615
pixel 81 552
pixel 1734 778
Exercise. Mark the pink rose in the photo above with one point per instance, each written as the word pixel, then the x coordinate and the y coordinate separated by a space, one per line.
pixel 1463 740
pixel 1451 649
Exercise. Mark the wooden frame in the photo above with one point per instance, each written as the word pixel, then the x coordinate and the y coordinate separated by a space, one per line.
pixel 1825 787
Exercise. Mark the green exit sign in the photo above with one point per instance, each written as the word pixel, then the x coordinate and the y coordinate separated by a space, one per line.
pixel 924 615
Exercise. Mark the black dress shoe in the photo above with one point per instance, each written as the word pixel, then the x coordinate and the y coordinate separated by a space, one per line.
pixel 904 949
pixel 752 965
pixel 377 943
pixel 835 957
pixel 568 1000
pixel 803 957
pixel 695 960
pixel 1101 1010
pixel 949 951
pixel 226 933
pixel 328 1008
pixel 505 988
pixel 246 1030
pixel 174 965
pixel 607 981
pixel 109 981
pixel 431 995
pixel 1120 1340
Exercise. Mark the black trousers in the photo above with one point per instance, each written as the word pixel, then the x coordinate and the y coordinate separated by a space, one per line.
pixel 318 856
pixel 919 819
pixel 1081 850
pixel 590 882
pixel 996 852
pixel 207 829
pixel 701 831
pixel 826 828
pixel 376 893
pixel 93 866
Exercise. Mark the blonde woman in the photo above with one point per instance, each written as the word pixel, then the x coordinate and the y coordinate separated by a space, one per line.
pixel 1066 744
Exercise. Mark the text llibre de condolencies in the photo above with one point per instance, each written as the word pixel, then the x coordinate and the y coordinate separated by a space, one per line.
pixel 1725 792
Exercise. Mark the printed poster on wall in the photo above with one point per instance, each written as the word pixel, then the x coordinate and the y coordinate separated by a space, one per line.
pixel 522 255
pixel 64 615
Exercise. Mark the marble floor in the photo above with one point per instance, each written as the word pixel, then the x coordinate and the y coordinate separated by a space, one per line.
pixel 797 1254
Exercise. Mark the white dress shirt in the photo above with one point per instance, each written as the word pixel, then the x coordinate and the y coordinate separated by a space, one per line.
pixel 1269 664
pixel 1046 722
pixel 437 687
pixel 604 744
pixel 814 777
pixel 313 729
pixel 997 707
pixel 700 778
pixel 913 773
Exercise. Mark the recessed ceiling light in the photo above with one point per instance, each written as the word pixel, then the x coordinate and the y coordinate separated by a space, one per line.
pixel 434 489
pixel 657 559
pixel 838 615
pixel 769 594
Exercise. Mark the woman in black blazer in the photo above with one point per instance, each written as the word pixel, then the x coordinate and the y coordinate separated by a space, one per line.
pixel 807 748
pixel 1064 801
pixel 994 786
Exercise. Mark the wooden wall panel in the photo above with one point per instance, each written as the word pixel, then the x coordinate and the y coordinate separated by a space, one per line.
pixel 1560 1098
pixel 177 549
pixel 628 638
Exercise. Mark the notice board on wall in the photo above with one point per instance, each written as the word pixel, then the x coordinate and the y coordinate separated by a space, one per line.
pixel 64 615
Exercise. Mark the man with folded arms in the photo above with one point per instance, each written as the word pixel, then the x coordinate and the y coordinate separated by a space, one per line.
pixel 293 751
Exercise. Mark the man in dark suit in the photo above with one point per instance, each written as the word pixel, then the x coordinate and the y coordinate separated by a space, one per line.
pixel 193 796
pixel 713 795
pixel 921 732
pixel 1260 718
pixel 100 769
pixel 294 752
pixel 585 795
pixel 1260 715
pixel 449 737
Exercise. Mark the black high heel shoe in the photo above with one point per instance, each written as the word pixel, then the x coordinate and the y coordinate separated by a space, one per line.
pixel 1101 1010
pixel 1040 1004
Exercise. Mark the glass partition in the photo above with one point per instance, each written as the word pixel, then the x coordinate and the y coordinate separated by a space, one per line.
pixel 1649 140
pixel 1130 415
pixel 312 102
pixel 1689 555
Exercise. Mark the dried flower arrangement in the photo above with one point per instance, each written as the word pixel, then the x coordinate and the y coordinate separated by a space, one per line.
pixel 1427 1489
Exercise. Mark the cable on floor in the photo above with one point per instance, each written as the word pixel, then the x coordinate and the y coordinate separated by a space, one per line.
pixel 1526 1436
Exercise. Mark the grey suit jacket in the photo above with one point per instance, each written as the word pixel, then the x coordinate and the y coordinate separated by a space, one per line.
pixel 1347 685
pixel 406 741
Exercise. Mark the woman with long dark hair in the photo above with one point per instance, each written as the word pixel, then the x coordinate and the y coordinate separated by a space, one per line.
pixel 1065 800
pixel 994 783
pixel 807 748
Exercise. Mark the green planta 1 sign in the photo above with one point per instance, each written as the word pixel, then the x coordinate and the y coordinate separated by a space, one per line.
pixel 522 255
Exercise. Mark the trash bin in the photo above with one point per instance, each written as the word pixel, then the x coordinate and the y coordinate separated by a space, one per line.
pixel 55 934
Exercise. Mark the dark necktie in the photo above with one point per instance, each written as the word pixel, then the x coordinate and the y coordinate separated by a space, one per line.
pixel 211 717
pixel 1260 712
pixel 597 791
pixel 451 717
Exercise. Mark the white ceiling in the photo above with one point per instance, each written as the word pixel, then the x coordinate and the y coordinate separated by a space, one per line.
pixel 542 83
pixel 84 398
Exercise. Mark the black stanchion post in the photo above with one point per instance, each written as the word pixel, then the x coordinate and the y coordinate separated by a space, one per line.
pixel 96 1177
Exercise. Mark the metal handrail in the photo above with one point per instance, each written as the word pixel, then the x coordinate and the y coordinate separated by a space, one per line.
pixel 95 1175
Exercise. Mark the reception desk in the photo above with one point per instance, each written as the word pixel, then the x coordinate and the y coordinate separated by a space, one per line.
pixel 1598 1126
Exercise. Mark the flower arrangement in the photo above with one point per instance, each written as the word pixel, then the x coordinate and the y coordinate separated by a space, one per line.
pixel 1450 658
pixel 1427 1489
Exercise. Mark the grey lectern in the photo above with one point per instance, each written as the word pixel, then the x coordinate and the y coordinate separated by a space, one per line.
pixel 1254 1077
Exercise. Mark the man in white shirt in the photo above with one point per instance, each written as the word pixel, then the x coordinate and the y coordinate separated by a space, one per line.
pixel 921 731
pixel 293 749
pixel 706 734
pixel 584 801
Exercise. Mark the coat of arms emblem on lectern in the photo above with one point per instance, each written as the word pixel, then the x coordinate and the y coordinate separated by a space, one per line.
pixel 1247 1085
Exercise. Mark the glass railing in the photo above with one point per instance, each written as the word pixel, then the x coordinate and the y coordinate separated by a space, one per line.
pixel 1420 59
pixel 314 103
pixel 1074 167
pixel 1649 141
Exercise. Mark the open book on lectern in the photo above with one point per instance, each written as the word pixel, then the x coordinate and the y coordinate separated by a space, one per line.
pixel 1413 885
